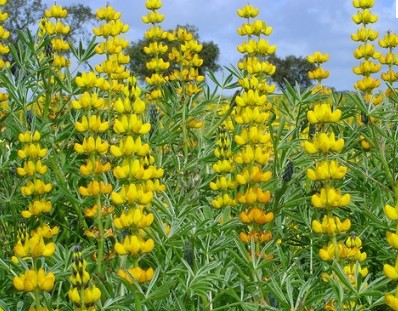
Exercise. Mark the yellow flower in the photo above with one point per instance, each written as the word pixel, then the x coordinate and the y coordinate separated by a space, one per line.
pixel 132 193
pixel 36 187
pixel 324 143
pixel 94 188
pixel 364 17
pixel 90 145
pixel 107 13
pixel 153 18
pixel 139 274
pixel 391 301
pixel 318 74
pixel 318 58
pixel 56 11
pixel 391 212
pixel 366 68
pixel 256 215
pixel 91 295
pixel 30 168
pixel 363 4
pixel 87 101
pixel 37 207
pixel 392 239
pixel 323 113
pixel 223 200
pixel 133 217
pixel 330 197
pixel 391 271
pixel 331 225
pixel 365 34
pixel 134 245
pixel 326 170
pixel 248 11
pixel 153 4
pixel 31 279
pixel 94 124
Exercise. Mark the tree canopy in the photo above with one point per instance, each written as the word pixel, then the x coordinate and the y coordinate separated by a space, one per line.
pixel 291 69
pixel 210 54
pixel 23 14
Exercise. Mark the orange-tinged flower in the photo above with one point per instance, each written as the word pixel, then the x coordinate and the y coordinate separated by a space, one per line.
pixel 256 215
pixel 139 274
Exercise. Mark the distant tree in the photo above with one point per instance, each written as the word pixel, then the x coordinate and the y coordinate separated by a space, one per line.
pixel 291 69
pixel 210 54
pixel 24 14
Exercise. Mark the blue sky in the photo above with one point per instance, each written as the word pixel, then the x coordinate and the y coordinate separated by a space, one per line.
pixel 300 27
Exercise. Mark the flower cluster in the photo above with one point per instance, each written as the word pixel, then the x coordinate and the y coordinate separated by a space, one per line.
pixel 319 74
pixel 139 179
pixel 224 167
pixel 187 62
pixel 391 271
pixel 156 49
pixel 35 245
pixel 53 28
pixel 251 136
pixel 34 171
pixel 390 59
pixel 81 293
pixel 366 50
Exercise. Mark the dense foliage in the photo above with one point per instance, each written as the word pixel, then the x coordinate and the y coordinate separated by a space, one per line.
pixel 174 196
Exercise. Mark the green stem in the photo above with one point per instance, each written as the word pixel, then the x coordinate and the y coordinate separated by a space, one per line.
pixel 101 239
pixel 138 304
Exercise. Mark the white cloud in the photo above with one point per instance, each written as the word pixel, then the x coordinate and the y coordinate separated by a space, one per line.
pixel 300 27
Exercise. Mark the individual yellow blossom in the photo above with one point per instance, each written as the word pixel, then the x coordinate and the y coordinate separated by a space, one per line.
pixel 257 236
pixel 133 217
pixel 318 58
pixel 391 271
pixel 363 4
pixel 391 212
pixel 95 188
pixel 32 279
pixel 223 200
pixel 324 143
pixel 365 34
pixel 34 246
pixel 322 113
pixel 392 239
pixel 256 215
pixel 331 225
pixel 318 74
pixel 93 123
pixel 36 208
pixel 364 17
pixel 35 187
pixel 139 274
pixel 131 194
pixel 327 170
pixel 91 145
pixel 107 13
pixel 91 295
pixel 30 168
pixel 56 11
pixel 134 245
pixel 330 197
pixel 248 11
